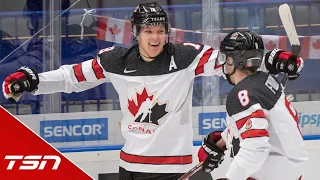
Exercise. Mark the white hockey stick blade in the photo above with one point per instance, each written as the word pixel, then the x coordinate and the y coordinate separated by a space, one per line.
pixel 288 24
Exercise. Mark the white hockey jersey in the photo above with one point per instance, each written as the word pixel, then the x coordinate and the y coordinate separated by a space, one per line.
pixel 262 123
pixel 155 99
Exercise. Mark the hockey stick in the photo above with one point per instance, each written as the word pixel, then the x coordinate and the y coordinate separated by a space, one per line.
pixel 289 27
pixel 187 175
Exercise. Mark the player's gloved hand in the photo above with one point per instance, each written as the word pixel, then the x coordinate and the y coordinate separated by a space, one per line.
pixel 25 79
pixel 209 153
pixel 278 60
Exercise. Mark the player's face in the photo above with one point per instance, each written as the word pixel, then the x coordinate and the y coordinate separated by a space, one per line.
pixel 151 40
pixel 228 68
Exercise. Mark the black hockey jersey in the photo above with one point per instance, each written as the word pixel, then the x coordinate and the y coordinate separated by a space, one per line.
pixel 155 99
pixel 264 122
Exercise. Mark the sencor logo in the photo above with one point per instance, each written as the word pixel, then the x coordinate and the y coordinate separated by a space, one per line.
pixel 33 162
pixel 209 122
pixel 74 130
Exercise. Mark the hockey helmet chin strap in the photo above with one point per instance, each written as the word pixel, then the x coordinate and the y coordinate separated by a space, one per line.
pixel 228 75
pixel 149 57
pixel 224 62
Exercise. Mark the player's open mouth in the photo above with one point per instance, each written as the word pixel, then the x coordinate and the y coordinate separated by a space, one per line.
pixel 154 44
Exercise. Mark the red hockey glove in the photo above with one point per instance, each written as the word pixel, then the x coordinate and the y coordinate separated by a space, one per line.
pixel 25 79
pixel 210 153
pixel 277 61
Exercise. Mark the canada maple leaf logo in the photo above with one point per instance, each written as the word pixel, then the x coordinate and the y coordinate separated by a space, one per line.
pixel 234 35
pixel 270 45
pixel 141 97
pixel 316 44
pixel 146 109
pixel 115 30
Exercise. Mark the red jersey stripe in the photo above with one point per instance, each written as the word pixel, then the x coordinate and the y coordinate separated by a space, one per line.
pixel 98 71
pixel 203 60
pixel 78 72
pixel 254 133
pixel 257 114
pixel 157 160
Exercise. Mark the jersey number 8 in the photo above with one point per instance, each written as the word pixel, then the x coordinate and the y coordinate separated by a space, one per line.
pixel 243 97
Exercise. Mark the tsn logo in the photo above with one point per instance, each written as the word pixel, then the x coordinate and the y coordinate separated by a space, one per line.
pixel 33 162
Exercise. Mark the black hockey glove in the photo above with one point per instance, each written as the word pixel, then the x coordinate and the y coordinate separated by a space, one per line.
pixel 277 61
pixel 25 79
pixel 209 153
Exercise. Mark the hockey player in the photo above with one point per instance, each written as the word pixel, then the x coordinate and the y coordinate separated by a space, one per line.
pixel 263 131
pixel 158 136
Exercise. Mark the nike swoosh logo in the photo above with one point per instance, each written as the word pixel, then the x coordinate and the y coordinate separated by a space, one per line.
pixel 131 71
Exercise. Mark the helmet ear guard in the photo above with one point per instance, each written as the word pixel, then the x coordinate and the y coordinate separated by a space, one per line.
pixel 247 59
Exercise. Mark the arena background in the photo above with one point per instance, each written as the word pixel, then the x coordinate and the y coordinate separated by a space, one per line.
pixel 45 34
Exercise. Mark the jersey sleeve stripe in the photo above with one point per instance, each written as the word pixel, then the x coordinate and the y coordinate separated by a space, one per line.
pixel 98 71
pixel 203 60
pixel 251 133
pixel 256 114
pixel 78 72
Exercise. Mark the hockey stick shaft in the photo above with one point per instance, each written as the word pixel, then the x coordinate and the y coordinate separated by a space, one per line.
pixel 288 24
pixel 191 172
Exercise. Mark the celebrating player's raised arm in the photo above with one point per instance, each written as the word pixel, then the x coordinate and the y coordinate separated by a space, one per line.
pixel 72 78
pixel 205 60
pixel 68 78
